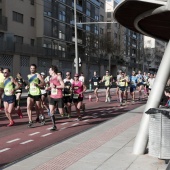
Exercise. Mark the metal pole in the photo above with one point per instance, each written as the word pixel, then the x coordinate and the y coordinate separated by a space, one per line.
pixel 153 102
pixel 76 48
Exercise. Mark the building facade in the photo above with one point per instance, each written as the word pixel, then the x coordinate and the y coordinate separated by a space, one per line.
pixel 42 32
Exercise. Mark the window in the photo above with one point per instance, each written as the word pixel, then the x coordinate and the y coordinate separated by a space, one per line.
pixel 32 42
pixel 96 30
pixel 62 15
pixel 101 30
pixel 101 18
pixel 19 39
pixel 32 2
pixel 88 12
pixel 32 20
pixel 108 25
pixel 108 14
pixel 17 17
pixel 102 5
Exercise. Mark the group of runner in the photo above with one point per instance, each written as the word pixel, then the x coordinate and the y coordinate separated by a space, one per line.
pixel 125 83
pixel 59 92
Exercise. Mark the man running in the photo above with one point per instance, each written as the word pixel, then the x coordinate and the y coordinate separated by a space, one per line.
pixel 117 83
pixel 95 80
pixel 34 95
pixel 133 83
pixel 18 93
pixel 56 97
pixel 78 89
pixel 10 85
pixel 107 79
pixel 68 81
pixel 122 87
pixel 140 83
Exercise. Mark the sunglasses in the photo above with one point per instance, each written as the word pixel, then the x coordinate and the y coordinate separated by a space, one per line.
pixel 4 72
pixel 67 74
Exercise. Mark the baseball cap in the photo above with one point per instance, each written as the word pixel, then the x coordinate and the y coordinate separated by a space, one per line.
pixel 42 73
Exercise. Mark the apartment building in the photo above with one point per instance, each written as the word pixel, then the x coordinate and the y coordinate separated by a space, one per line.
pixel 153 53
pixel 42 32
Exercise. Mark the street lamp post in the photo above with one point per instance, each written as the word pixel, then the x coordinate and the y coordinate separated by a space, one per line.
pixel 75 28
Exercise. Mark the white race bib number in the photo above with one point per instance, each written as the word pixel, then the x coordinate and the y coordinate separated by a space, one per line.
pixel 75 96
pixel 54 91
pixel 95 83
pixel 32 89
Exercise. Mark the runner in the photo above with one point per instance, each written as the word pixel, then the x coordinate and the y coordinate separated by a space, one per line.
pixel 56 97
pixel 107 79
pixel 10 85
pixel 44 94
pixel 78 89
pixel 68 81
pixel 151 81
pixel 140 83
pixel 117 83
pixel 18 93
pixel 82 78
pixel 133 83
pixel 34 95
pixel 95 80
pixel 122 87
pixel 126 87
pixel 1 86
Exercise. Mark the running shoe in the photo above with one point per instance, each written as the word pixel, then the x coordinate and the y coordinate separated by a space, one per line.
pixel 106 101
pixel 42 120
pixel 30 123
pixel 20 114
pixel 11 123
pixel 54 128
pixel 79 118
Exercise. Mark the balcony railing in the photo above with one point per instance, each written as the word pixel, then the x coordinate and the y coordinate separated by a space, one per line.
pixel 3 23
pixel 78 7
pixel 96 2
pixel 26 49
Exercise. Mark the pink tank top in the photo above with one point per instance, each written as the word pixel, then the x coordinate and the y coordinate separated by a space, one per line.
pixel 55 93
pixel 77 88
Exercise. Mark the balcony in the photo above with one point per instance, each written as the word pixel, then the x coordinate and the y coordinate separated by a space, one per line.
pixel 78 7
pixel 3 23
pixel 78 25
pixel 96 2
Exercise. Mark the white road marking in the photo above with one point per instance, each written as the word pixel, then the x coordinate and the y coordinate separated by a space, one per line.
pixel 3 150
pixel 62 128
pixel 75 124
pixel 14 140
pixel 28 141
pixel 85 120
pixel 95 113
pixel 103 114
pixel 46 135
pixel 64 123
pixel 49 128
pixel 32 134
pixel 86 117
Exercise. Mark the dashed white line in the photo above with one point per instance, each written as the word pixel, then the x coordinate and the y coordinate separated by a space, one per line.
pixel 3 150
pixel 75 124
pixel 86 117
pixel 49 128
pixel 32 134
pixel 85 120
pixel 14 140
pixel 62 128
pixel 28 141
pixel 103 114
pixel 46 135
pixel 64 123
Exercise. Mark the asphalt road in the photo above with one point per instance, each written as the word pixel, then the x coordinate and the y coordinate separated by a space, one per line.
pixel 20 141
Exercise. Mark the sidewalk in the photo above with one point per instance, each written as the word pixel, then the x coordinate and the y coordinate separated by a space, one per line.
pixel 107 146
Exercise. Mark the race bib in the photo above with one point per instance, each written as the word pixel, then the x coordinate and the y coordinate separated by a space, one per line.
pixel 33 89
pixel 75 88
pixel 75 96
pixel 54 91
pixel 7 92
pixel 95 83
